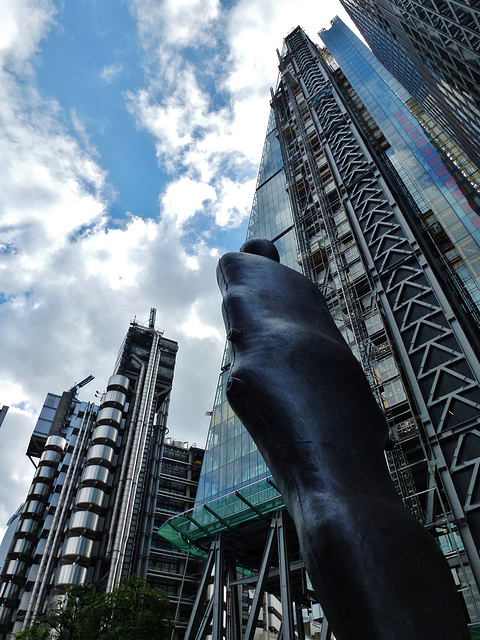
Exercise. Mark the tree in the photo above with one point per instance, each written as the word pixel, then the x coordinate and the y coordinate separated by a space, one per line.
pixel 132 611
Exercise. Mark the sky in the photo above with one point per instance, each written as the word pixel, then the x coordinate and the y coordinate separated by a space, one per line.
pixel 130 137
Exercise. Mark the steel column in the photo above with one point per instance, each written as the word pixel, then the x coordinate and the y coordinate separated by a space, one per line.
pixel 218 587
pixel 286 597
pixel 262 577
pixel 201 594
pixel 235 591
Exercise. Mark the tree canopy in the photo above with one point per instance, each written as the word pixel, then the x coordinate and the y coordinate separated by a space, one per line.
pixel 132 611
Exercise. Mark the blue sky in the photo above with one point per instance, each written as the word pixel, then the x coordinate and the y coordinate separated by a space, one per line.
pixel 89 61
pixel 131 135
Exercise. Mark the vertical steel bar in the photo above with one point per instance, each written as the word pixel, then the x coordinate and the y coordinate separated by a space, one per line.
pixel 218 588
pixel 262 577
pixel 286 597
pixel 201 593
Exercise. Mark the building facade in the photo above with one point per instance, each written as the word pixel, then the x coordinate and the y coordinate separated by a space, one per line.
pixel 106 478
pixel 174 570
pixel 433 48
pixel 345 205
pixel 445 200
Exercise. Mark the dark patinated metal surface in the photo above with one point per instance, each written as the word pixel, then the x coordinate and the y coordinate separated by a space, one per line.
pixel 305 400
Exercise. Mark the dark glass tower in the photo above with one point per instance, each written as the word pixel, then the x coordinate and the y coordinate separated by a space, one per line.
pixel 433 48
pixel 350 189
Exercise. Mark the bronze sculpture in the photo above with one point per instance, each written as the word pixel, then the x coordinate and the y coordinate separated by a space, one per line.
pixel 306 402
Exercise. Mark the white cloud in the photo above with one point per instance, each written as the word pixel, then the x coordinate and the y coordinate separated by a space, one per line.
pixel 49 184
pixel 184 198
pixel 195 327
pixel 17 470
pixel 234 202
pixel 23 24
pixel 111 72
pixel 72 279
pixel 176 22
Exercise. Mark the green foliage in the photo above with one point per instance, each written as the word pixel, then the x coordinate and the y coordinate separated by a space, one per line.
pixel 132 611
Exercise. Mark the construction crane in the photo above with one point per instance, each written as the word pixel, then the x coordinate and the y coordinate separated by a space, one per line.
pixel 3 413
pixel 81 384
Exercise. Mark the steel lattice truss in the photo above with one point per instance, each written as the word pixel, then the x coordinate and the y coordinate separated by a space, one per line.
pixel 432 346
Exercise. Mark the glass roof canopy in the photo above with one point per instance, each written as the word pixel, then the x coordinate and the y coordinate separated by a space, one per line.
pixel 186 530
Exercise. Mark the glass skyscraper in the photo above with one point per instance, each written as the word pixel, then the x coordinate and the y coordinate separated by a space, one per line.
pixel 350 188
pixel 233 460
pixel 442 193
pixel 433 48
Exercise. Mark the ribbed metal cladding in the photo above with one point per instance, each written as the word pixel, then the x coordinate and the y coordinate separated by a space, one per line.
pixel 109 415
pixel 33 573
pixel 15 569
pixel 115 399
pixel 101 454
pixel 78 548
pixel 95 475
pixel 71 574
pixel 39 490
pixel 11 591
pixel 33 508
pixel 45 473
pixel 84 522
pixel 91 497
pixel 50 458
pixel 41 546
pixel 118 382
pixel 56 442
pixel 5 615
pixel 105 434
pixel 22 547
pixel 28 528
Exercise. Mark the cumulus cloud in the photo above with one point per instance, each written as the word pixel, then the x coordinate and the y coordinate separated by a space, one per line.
pixel 23 24
pixel 71 278
pixel 176 22
pixel 184 198
pixel 207 112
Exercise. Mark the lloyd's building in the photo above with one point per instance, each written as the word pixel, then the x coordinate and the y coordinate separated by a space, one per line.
pixel 357 195
pixel 107 477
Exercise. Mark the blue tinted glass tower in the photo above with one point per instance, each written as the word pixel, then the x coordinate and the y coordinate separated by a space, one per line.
pixel 433 48
pixel 441 191
pixel 233 460
pixel 351 191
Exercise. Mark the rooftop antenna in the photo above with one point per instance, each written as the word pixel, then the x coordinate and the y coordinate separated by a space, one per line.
pixel 151 321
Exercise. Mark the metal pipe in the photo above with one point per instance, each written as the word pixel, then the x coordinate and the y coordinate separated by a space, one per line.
pixel 143 434
pixel 145 537
pixel 119 507
pixel 114 531
pixel 134 467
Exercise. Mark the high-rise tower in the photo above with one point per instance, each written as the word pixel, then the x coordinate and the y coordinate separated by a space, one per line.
pixel 445 200
pixel 348 201
pixel 433 48
pixel 106 478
